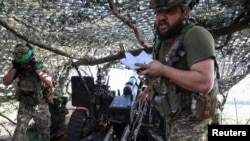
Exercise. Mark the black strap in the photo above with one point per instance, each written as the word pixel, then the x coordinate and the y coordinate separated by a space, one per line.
pixel 216 67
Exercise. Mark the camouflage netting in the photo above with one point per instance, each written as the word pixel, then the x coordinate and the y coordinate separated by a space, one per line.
pixel 77 29
pixel 95 32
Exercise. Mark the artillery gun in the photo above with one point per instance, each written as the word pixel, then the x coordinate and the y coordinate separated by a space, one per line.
pixel 103 115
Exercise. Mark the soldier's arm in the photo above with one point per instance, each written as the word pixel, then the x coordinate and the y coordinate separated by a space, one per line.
pixel 147 92
pixel 9 77
pixel 45 78
pixel 199 78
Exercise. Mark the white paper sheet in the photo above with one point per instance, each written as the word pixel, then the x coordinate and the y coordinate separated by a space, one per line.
pixel 130 60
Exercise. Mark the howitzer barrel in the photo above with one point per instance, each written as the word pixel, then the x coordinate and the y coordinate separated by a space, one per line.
pixel 122 107
pixel 132 86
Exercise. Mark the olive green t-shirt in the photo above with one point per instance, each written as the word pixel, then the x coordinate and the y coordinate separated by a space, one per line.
pixel 198 44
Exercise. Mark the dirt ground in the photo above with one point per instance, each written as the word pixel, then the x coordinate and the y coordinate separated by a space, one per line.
pixel 7 128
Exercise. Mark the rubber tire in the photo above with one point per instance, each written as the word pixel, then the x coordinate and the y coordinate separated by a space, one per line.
pixel 76 124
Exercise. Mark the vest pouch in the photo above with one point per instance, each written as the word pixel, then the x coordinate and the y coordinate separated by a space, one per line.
pixel 27 85
pixel 173 102
pixel 160 85
pixel 206 106
pixel 162 105
pixel 29 99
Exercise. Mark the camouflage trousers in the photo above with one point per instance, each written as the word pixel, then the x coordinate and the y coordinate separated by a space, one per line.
pixel 41 116
pixel 184 128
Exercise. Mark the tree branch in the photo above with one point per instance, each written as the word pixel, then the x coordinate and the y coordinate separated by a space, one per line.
pixel 7 119
pixel 232 28
pixel 112 58
pixel 40 45
pixel 126 21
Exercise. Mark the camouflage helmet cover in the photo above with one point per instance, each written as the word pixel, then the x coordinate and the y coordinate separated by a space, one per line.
pixel 168 3
pixel 22 53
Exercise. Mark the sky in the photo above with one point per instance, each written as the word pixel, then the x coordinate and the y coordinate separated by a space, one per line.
pixel 237 107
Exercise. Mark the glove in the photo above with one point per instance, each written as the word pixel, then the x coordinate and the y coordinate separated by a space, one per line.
pixel 48 94
pixel 16 65
pixel 34 64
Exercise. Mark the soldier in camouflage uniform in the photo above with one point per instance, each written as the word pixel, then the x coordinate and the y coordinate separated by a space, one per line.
pixel 31 79
pixel 175 82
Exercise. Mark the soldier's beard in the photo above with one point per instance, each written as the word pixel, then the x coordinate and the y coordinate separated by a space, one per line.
pixel 173 31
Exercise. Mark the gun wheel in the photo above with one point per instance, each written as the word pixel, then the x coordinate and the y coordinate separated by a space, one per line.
pixel 77 123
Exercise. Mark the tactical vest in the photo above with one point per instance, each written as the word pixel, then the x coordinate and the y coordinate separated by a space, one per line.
pixel 29 90
pixel 170 98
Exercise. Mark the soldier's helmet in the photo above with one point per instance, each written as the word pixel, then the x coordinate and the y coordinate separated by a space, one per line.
pixel 22 53
pixel 155 4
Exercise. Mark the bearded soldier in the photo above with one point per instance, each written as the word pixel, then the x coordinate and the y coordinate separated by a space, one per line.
pixel 181 78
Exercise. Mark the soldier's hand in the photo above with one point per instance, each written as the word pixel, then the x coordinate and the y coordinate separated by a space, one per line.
pixel 16 65
pixel 148 93
pixel 48 94
pixel 33 63
pixel 153 69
